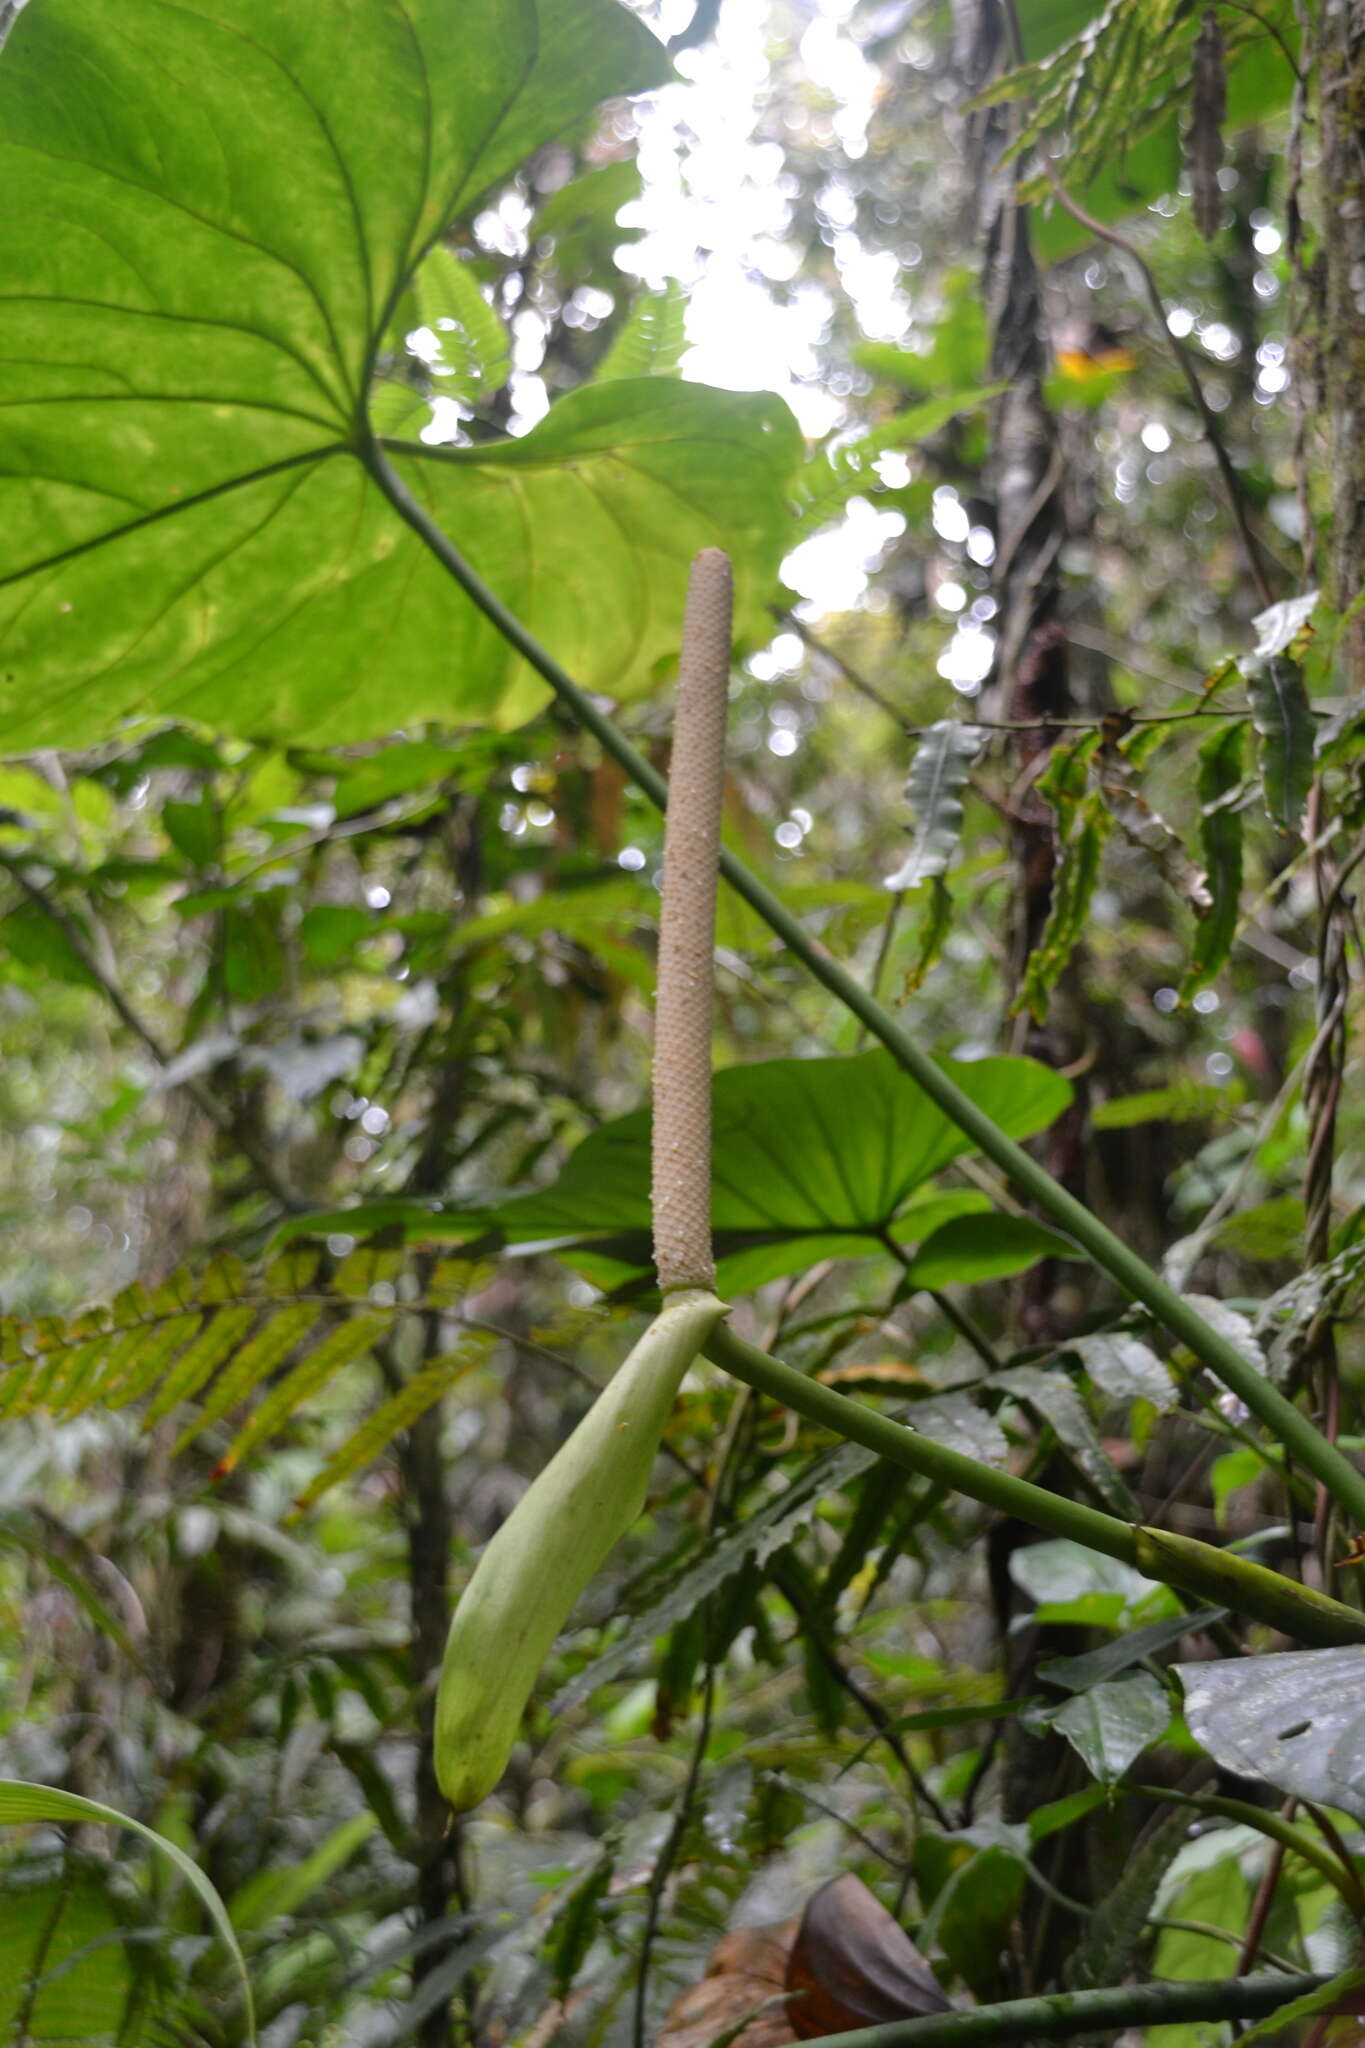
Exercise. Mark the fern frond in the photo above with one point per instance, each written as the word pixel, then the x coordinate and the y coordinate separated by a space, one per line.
pixel 197 1364
pixel 398 1413
pixel 341 1346
pixel 216 1341
pixel 652 339
pixel 268 1347
pixel 1117 80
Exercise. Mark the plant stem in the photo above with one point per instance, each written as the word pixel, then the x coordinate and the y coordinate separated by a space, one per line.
pixel 1107 1251
pixel 1183 1562
pixel 1341 1876
pixel 1058 2015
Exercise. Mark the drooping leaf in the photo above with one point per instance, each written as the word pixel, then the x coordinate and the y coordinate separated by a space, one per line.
pixel 1296 1721
pixel 853 1965
pixel 938 775
pixel 1074 885
pixel 193 523
pixel 575 1926
pixel 811 1159
pixel 1098 1667
pixel 1220 838
pixel 974 1910
pixel 935 926
pixel 1055 1402
pixel 1280 710
pixel 970 1249
pixel 1145 827
pixel 1109 1725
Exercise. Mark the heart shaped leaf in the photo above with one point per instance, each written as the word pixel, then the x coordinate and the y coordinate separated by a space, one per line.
pixel 811 1159
pixel 212 214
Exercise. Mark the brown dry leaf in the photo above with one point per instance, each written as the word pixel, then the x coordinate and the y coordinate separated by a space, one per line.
pixel 852 1965
pixel 746 1980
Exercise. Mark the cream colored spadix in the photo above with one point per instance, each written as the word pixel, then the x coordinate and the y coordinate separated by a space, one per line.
pixel 532 1572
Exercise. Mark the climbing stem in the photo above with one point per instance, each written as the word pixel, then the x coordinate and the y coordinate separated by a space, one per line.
pixel 1303 1442
pixel 1056 2016
pixel 1215 1575
pixel 1266 1821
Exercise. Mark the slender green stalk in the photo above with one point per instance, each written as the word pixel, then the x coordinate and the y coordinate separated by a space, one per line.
pixel 1342 1481
pixel 1216 1575
pixel 1266 1821
pixel 1056 2016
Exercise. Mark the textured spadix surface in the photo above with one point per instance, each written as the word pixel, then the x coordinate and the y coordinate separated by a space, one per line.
pixel 681 1164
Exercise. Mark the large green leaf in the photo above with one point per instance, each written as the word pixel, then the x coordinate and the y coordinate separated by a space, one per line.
pixel 1110 1724
pixel 61 1963
pixel 22 1803
pixel 211 214
pixel 811 1159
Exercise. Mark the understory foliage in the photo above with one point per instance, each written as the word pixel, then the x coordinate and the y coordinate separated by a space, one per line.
pixel 328 947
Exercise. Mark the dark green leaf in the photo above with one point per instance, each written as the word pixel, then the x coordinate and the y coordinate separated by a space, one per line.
pixel 1097 1667
pixel 974 1914
pixel 193 829
pixel 812 1159
pixel 330 930
pixel 1078 873
pixel 934 928
pixel 575 1927
pixel 1280 710
pixel 1110 1724
pixel 970 1249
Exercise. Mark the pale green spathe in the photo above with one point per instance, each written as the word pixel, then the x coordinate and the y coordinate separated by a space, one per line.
pixel 525 1584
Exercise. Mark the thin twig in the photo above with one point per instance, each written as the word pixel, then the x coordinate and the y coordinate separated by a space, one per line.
pixel 668 1856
